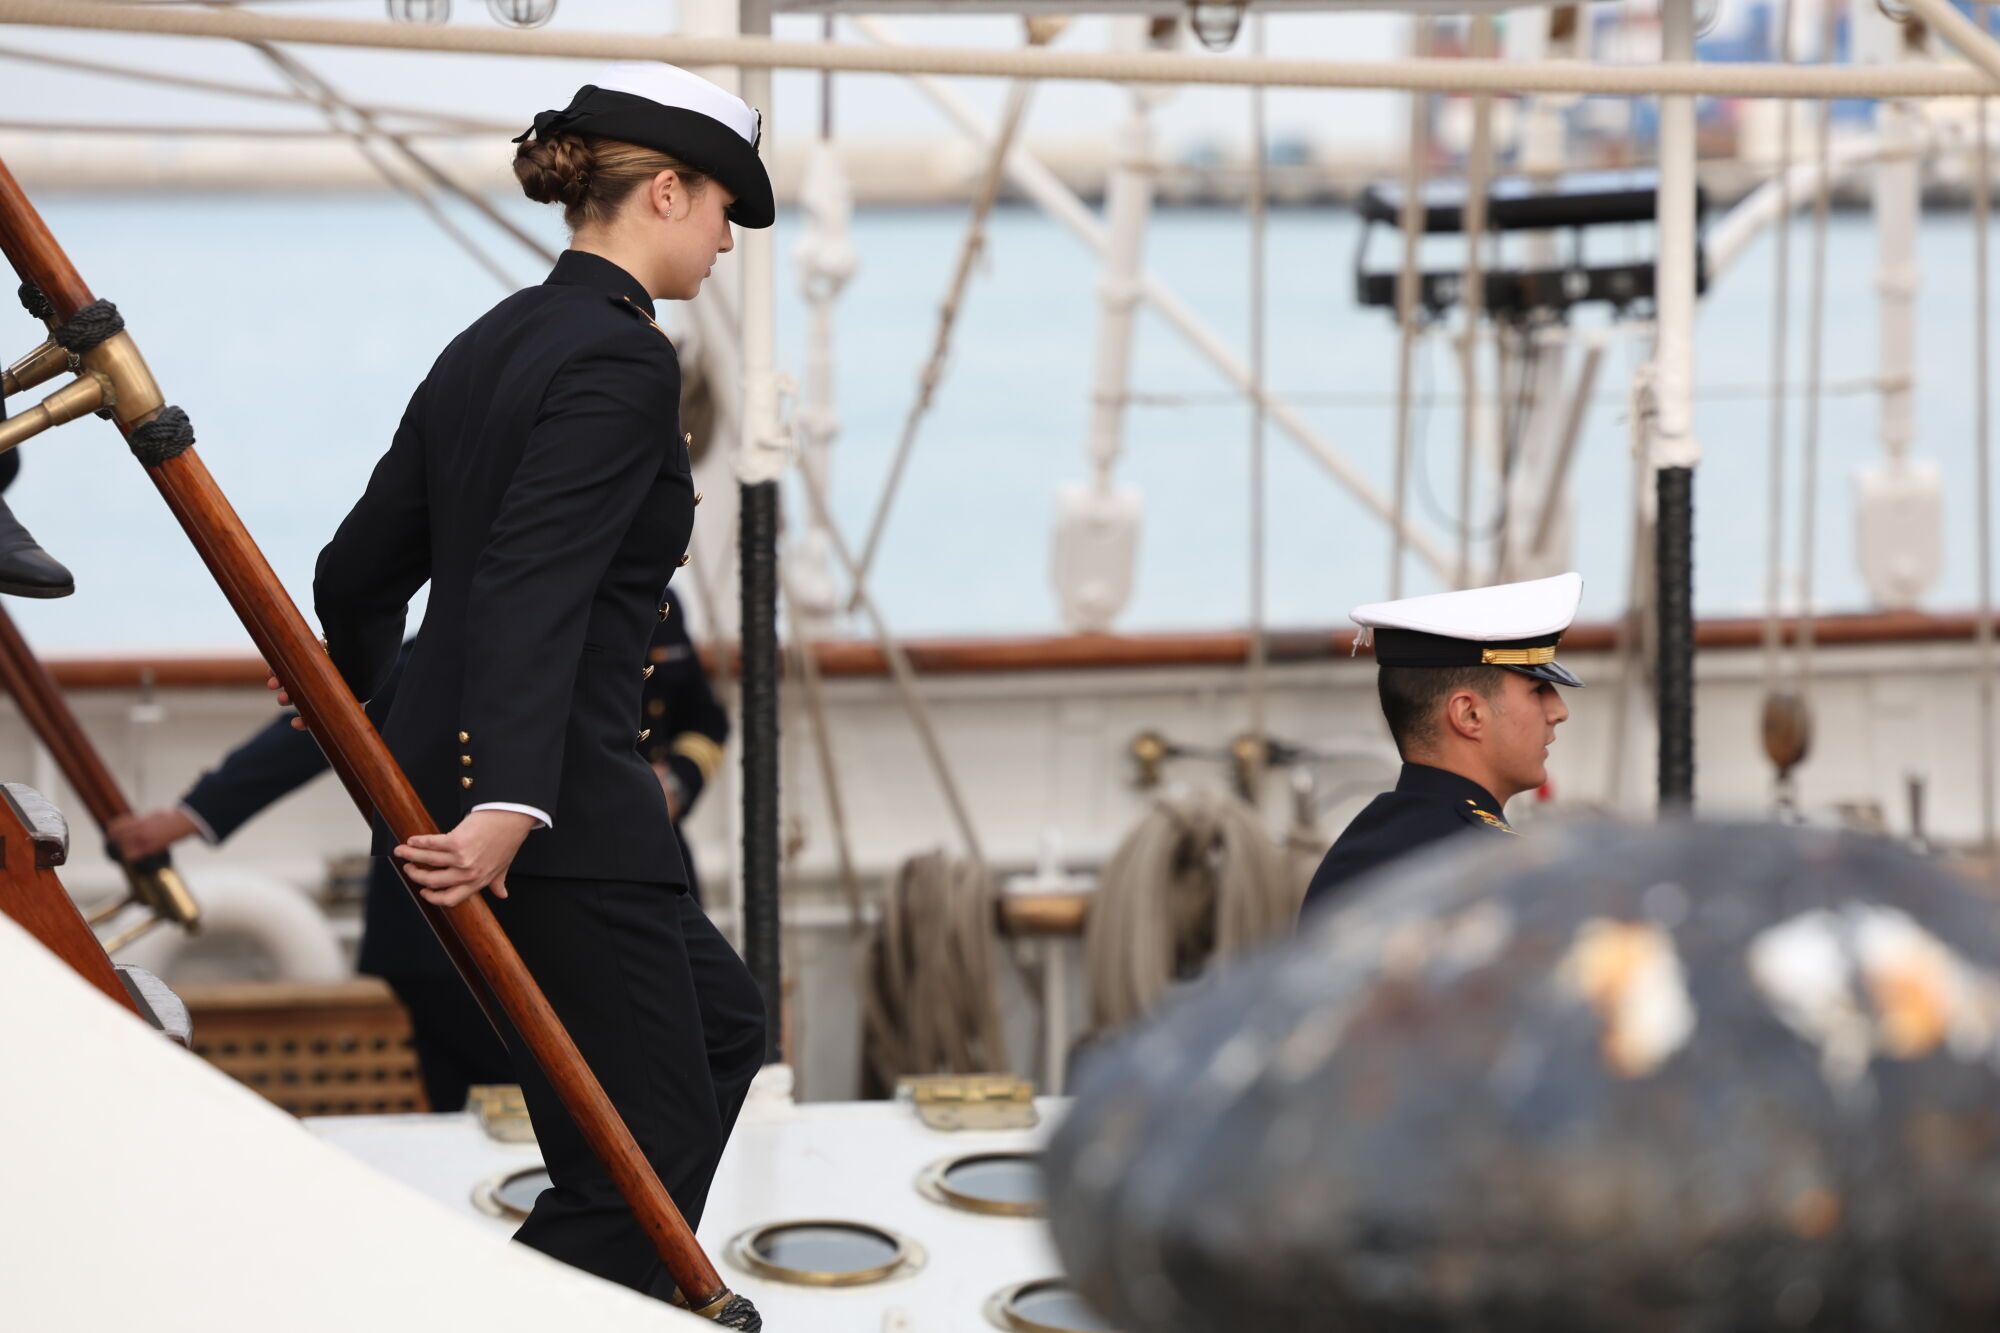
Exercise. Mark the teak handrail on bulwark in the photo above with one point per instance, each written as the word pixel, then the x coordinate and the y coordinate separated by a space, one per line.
pixel 1025 654
pixel 152 881
pixel 469 932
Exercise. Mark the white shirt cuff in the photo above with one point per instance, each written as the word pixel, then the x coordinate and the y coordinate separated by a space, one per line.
pixel 200 824
pixel 541 816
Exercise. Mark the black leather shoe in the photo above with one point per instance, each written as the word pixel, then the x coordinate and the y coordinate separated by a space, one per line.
pixel 26 570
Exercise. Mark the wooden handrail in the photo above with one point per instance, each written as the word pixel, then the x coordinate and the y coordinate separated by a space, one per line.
pixel 1026 654
pixel 152 880
pixel 33 842
pixel 468 931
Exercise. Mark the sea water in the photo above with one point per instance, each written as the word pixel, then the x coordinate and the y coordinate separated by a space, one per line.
pixel 293 328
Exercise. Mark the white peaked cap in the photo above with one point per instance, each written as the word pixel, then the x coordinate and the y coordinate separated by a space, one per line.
pixel 1498 614
pixel 670 85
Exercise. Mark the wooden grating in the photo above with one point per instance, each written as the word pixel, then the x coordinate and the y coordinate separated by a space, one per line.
pixel 338 1048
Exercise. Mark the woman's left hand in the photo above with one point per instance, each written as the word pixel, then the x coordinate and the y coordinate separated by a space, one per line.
pixel 450 867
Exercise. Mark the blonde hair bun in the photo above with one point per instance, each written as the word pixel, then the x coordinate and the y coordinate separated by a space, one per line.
pixel 555 170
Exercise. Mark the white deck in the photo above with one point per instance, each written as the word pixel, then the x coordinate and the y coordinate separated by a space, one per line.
pixel 853 1161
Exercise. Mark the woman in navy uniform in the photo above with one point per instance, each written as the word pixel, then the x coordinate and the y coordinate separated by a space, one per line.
pixel 539 482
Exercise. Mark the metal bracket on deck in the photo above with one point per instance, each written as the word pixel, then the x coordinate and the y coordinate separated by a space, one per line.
pixel 972 1101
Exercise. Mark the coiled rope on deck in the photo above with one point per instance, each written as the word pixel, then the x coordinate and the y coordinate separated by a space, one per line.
pixel 929 999
pixel 1198 880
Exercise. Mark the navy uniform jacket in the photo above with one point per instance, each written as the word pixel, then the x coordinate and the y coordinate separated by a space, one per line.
pixel 1427 804
pixel 279 759
pixel 685 726
pixel 540 484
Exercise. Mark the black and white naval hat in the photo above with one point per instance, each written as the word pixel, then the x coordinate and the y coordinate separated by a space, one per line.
pixel 1511 625
pixel 663 107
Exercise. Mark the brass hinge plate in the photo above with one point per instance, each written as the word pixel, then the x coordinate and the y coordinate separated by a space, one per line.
pixel 502 1112
pixel 972 1101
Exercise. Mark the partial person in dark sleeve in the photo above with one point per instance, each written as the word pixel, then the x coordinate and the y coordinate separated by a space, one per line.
pixel 685 727
pixel 455 1046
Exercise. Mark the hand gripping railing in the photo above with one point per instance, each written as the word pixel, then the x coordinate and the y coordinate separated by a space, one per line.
pixel 112 376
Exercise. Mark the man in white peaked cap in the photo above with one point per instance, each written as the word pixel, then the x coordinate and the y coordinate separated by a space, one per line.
pixel 1468 682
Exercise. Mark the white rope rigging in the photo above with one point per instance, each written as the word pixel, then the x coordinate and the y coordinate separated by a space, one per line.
pixel 900 670
pixel 1198 880
pixel 932 375
pixel 364 131
pixel 1497 76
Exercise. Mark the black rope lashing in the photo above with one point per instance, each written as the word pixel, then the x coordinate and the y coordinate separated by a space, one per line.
pixel 168 435
pixel 740 1313
pixel 35 303
pixel 95 324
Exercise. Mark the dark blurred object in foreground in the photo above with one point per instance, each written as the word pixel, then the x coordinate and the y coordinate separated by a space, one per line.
pixel 1705 1078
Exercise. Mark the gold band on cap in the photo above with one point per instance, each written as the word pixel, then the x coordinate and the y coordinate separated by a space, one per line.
pixel 1517 656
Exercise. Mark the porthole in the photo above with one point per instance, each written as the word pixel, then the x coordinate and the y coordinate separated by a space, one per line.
pixel 1048 1305
pixel 511 1195
pixel 997 1184
pixel 823 1253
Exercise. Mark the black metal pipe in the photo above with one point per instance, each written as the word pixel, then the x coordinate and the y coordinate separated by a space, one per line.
pixel 758 548
pixel 1673 567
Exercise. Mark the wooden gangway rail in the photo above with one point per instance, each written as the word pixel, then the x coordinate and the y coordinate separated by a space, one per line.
pixel 469 932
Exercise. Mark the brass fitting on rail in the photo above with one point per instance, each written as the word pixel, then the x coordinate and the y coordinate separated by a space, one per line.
pixel 160 889
pixel 80 397
pixel 135 395
pixel 37 367
pixel 155 885
pixel 111 376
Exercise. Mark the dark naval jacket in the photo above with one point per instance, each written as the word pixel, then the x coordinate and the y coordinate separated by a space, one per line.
pixel 540 483
pixel 685 725
pixel 1427 805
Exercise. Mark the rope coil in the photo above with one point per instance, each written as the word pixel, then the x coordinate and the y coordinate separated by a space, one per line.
pixel 168 435
pixel 929 999
pixel 1198 880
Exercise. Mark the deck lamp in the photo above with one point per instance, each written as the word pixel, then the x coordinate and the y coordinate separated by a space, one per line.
pixel 1216 22
pixel 419 11
pixel 522 13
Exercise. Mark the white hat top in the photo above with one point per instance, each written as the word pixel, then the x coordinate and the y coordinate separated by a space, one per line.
pixel 1501 613
pixel 670 85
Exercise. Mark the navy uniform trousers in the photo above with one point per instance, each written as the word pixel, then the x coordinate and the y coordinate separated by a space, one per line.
pixel 667 1018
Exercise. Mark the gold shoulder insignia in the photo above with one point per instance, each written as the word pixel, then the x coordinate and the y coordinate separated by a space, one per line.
pixel 1493 820
pixel 636 309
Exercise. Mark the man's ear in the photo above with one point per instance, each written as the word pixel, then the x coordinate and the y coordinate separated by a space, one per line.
pixel 1465 713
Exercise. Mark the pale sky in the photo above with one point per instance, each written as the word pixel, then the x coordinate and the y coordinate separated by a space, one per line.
pixel 869 106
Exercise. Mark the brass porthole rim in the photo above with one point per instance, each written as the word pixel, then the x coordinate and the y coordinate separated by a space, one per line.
pixel 908 1258
pixel 1001 1313
pixel 933 1185
pixel 486 1194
